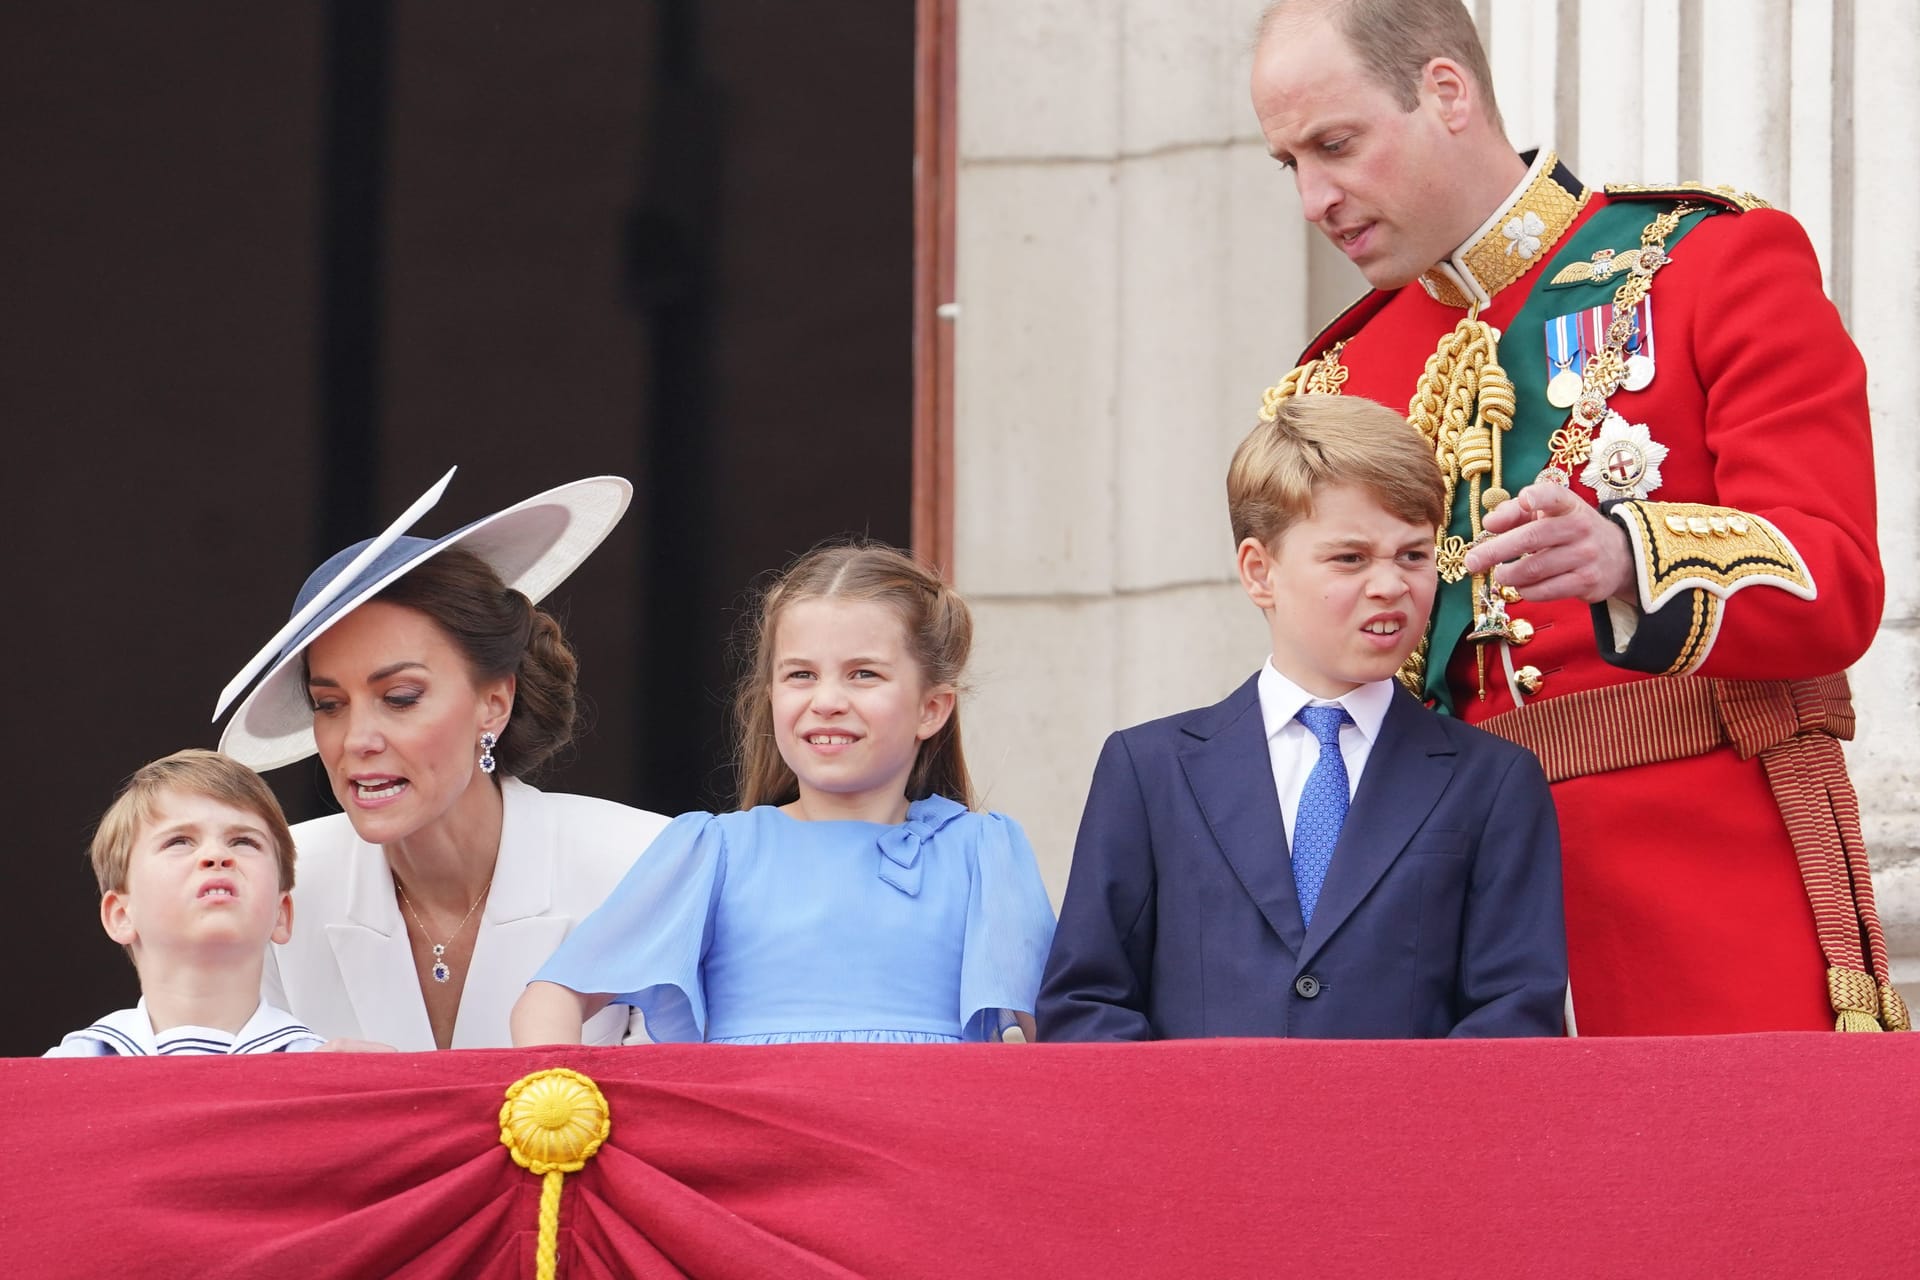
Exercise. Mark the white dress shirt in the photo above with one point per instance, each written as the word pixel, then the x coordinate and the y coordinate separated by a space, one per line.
pixel 1293 750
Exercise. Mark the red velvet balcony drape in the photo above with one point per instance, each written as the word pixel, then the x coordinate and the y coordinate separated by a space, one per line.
pixel 1788 1155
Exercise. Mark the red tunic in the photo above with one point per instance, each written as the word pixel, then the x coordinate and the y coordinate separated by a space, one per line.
pixel 1685 907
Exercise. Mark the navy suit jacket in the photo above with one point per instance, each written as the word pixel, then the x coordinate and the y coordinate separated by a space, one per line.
pixel 1440 914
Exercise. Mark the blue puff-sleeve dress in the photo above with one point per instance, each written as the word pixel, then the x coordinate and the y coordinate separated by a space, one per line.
pixel 760 928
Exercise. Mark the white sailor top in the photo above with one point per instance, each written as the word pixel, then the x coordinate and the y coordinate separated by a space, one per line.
pixel 129 1033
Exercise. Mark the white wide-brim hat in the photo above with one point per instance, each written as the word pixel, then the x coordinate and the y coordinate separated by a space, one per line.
pixel 532 545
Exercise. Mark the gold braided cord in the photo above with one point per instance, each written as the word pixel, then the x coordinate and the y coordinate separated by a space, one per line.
pixel 552 1123
pixel 1893 1010
pixel 1321 377
pixel 1282 391
pixel 546 1252
pixel 1463 404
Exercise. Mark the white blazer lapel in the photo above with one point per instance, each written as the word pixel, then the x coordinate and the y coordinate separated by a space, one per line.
pixel 375 958
pixel 517 933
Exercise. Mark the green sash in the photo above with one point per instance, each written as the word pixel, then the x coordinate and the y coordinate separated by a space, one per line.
pixel 1523 354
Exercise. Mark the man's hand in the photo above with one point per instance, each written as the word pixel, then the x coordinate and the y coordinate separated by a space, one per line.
pixel 1549 545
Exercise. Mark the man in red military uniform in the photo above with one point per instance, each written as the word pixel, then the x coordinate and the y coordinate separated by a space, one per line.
pixel 1662 557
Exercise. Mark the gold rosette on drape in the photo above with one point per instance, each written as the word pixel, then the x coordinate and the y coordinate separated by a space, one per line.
pixel 552 1123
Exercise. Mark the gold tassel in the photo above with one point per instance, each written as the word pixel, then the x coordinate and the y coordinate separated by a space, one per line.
pixel 1855 999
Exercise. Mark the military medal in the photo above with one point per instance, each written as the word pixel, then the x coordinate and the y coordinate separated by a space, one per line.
pixel 1564 361
pixel 1640 348
pixel 1603 329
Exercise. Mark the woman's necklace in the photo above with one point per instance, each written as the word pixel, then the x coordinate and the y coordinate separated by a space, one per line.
pixel 442 971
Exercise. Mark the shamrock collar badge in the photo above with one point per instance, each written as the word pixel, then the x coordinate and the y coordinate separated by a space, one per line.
pixel 1523 232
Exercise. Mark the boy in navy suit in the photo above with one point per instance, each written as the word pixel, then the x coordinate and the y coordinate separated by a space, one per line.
pixel 1319 855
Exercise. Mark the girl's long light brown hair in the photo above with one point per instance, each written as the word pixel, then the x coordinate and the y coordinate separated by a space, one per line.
pixel 939 633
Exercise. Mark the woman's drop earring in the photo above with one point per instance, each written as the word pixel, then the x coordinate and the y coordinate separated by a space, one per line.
pixel 487 741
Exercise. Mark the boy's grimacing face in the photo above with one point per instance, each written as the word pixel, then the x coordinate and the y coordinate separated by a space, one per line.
pixel 1347 591
pixel 202 875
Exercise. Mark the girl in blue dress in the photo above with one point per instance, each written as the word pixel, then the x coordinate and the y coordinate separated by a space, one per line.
pixel 854 895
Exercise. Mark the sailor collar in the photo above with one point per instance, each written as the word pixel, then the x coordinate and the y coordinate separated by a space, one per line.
pixel 1514 240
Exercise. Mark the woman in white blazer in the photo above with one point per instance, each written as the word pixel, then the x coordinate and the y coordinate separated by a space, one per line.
pixel 431 686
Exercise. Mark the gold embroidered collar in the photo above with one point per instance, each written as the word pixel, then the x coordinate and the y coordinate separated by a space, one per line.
pixel 1510 243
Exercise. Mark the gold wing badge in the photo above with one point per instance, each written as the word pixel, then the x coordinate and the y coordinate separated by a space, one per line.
pixel 1603 266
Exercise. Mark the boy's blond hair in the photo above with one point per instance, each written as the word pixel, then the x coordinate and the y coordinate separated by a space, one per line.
pixel 1322 440
pixel 194 772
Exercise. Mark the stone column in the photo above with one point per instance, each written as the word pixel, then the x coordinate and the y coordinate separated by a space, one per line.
pixel 1130 271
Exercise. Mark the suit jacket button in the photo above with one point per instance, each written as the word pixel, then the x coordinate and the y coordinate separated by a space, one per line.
pixel 1306 986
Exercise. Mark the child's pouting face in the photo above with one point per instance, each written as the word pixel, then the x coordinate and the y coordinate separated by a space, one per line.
pixel 851 705
pixel 1348 592
pixel 201 874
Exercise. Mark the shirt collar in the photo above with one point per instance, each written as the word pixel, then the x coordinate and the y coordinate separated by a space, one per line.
pixel 1519 235
pixel 1281 700
pixel 130 1032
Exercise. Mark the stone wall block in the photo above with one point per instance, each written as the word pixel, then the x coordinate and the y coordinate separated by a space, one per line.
pixel 1745 113
pixel 1171 459
pixel 1039 79
pixel 1264 325
pixel 1040 705
pixel 1175 74
pixel 1607 140
pixel 1034 378
pixel 1185 647
pixel 1519 35
pixel 1884 317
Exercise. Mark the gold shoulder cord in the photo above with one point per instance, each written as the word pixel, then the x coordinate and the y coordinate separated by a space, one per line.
pixel 1462 405
pixel 1322 377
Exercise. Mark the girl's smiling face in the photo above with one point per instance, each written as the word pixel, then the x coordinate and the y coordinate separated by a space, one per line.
pixel 398 719
pixel 851 707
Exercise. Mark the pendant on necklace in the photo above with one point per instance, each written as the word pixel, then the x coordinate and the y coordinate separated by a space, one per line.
pixel 441 973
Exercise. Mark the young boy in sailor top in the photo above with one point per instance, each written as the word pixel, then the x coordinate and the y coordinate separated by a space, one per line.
pixel 195 867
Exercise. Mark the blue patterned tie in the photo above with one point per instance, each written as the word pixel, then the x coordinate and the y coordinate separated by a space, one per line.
pixel 1323 807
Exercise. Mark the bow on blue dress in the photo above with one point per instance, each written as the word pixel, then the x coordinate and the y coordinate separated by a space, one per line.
pixel 900 864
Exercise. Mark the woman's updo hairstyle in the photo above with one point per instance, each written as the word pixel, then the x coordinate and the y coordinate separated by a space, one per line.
pixel 501 633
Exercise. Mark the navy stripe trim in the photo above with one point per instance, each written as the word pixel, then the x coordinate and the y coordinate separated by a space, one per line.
pixel 126 1044
pixel 288 1034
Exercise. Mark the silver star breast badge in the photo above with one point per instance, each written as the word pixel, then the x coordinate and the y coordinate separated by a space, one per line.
pixel 1625 462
